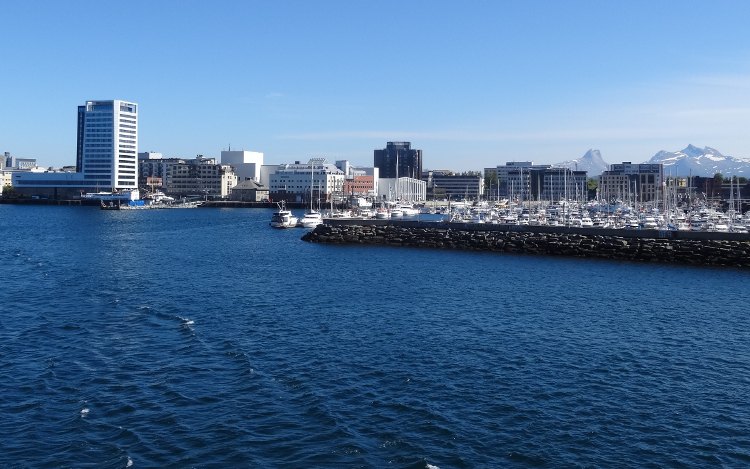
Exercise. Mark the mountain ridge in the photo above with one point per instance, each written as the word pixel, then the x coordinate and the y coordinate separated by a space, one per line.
pixel 591 162
pixel 695 161
pixel 690 161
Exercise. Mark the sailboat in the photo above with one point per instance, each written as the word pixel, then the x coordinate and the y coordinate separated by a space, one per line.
pixel 312 217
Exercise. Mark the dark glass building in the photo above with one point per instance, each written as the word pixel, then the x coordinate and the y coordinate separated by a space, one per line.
pixel 399 153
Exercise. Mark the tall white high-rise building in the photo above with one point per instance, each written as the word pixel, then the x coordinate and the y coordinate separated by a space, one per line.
pixel 107 153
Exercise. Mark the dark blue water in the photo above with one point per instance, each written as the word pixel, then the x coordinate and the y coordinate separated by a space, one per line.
pixel 203 338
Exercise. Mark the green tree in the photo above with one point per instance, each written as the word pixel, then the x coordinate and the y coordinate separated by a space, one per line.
pixel 9 191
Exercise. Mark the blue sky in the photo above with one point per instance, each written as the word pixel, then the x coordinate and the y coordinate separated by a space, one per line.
pixel 472 84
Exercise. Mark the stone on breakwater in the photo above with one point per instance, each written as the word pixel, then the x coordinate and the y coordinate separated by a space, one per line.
pixel 626 245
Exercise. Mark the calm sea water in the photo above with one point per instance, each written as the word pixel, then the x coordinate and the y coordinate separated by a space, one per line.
pixel 203 338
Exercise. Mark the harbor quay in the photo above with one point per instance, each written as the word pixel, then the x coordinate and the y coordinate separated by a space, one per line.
pixel 682 247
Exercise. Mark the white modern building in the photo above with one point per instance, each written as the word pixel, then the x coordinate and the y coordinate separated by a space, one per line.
pixel 299 181
pixel 402 189
pixel 106 156
pixel 246 164
pixel 108 144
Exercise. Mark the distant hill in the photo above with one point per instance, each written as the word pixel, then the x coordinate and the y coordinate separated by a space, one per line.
pixel 696 161
pixel 591 162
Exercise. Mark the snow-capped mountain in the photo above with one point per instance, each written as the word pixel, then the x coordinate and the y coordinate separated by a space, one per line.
pixel 591 162
pixel 700 162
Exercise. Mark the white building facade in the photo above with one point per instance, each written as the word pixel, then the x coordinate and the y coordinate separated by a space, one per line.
pixel 107 152
pixel 106 156
pixel 246 164
pixel 402 189
pixel 299 181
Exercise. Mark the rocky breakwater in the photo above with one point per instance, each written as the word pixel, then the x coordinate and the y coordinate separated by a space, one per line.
pixel 710 249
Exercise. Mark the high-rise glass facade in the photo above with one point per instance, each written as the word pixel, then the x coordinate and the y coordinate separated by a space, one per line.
pixel 107 144
pixel 398 159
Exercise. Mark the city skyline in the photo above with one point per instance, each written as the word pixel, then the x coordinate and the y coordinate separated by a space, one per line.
pixel 471 87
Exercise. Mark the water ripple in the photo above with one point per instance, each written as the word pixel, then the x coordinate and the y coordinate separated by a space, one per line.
pixel 201 339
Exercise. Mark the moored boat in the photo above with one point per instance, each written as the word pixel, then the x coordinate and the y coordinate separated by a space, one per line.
pixel 283 218
pixel 310 220
pixel 111 205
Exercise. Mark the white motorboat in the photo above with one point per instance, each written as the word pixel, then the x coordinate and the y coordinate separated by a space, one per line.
pixel 311 219
pixel 283 218
pixel 407 210
pixel 158 197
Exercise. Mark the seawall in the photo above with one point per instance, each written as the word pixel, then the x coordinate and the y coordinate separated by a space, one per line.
pixel 696 248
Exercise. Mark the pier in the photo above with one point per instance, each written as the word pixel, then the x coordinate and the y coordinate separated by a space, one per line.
pixel 683 247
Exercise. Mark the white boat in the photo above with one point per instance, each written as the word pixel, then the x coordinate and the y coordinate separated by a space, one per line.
pixel 407 210
pixel 310 220
pixel 123 195
pixel 312 217
pixel 158 197
pixel 283 218
pixel 382 214
pixel 720 227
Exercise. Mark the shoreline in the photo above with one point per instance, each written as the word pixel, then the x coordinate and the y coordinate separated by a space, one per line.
pixel 204 204
pixel 713 249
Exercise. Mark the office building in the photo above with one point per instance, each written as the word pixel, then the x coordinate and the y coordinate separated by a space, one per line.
pixel 107 153
pixel 200 176
pixel 446 185
pixel 632 182
pixel 299 182
pixel 398 160
pixel 558 183
pixel 523 180
pixel 151 169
